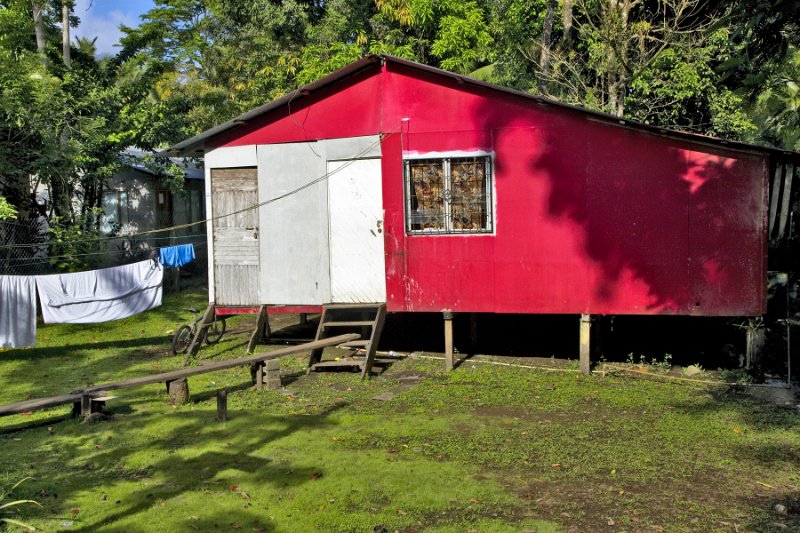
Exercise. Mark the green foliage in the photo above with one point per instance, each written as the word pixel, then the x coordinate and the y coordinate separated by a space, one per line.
pixel 777 105
pixel 6 209
pixel 7 506
pixel 727 68
pixel 74 244
pixel 736 375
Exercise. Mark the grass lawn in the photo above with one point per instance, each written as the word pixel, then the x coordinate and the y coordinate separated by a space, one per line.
pixel 483 448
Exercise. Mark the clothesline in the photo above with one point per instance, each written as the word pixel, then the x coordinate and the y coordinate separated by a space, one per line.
pixel 43 261
pixel 89 297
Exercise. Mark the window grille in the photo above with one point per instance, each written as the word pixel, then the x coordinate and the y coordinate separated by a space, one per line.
pixel 449 195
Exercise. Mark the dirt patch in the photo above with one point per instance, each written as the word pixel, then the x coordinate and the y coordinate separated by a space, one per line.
pixel 596 504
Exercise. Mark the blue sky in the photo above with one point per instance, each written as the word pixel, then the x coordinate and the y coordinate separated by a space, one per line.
pixel 101 19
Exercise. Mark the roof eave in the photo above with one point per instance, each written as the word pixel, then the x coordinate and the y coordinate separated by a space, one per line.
pixel 196 145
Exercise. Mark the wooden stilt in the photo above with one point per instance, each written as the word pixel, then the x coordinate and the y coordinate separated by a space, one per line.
pixel 449 361
pixel 755 338
pixel 585 344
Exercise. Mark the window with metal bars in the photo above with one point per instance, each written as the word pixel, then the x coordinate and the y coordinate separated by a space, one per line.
pixel 449 195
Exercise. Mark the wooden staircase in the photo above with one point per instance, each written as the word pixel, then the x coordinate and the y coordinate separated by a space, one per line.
pixel 368 318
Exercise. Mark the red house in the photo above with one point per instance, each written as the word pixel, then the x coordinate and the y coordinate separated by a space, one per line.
pixel 390 181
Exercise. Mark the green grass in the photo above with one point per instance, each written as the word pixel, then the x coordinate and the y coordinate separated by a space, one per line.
pixel 484 448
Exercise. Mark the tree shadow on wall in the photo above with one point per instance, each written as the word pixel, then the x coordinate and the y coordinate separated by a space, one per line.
pixel 653 225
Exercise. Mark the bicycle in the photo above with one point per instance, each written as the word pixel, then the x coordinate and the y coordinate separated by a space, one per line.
pixel 212 333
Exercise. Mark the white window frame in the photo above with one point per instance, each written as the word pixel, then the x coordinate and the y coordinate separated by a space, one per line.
pixel 448 219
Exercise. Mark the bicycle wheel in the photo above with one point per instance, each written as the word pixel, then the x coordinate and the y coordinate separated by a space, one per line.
pixel 215 331
pixel 181 340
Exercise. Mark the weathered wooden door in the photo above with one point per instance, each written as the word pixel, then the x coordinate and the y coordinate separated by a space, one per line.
pixel 235 236
pixel 355 203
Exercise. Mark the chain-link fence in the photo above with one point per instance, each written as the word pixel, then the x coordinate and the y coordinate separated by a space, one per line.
pixel 30 247
pixel 24 246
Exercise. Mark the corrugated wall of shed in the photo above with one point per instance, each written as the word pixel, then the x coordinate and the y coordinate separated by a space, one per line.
pixel 590 217
pixel 294 242
pixel 295 245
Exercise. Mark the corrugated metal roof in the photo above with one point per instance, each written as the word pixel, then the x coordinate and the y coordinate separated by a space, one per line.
pixel 195 145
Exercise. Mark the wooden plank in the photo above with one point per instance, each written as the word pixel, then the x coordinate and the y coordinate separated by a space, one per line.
pixel 354 344
pixel 316 355
pixel 347 323
pixel 374 305
pixel 200 334
pixel 585 343
pixel 40 403
pixel 220 365
pixel 773 198
pixel 788 176
pixel 374 338
pixel 258 333
pixel 340 362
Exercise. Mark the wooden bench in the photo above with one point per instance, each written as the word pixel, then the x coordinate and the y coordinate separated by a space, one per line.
pixel 90 399
pixel 82 403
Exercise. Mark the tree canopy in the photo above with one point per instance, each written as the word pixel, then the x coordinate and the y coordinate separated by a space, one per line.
pixel 729 68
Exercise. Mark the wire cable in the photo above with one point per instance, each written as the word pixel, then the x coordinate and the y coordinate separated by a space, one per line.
pixel 212 219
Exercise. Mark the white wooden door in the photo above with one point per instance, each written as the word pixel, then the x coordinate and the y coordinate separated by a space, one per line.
pixel 355 206
pixel 236 261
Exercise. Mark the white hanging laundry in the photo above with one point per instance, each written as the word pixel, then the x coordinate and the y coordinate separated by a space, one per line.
pixel 17 311
pixel 100 295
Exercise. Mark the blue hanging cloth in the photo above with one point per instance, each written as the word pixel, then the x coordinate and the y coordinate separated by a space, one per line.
pixel 177 256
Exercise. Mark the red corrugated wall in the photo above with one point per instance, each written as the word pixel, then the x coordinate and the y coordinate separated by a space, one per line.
pixel 590 217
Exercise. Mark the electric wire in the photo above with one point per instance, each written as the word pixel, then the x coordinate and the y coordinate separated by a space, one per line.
pixel 211 219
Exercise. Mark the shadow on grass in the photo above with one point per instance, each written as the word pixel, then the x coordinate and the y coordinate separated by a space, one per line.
pixel 225 448
pixel 757 414
pixel 68 350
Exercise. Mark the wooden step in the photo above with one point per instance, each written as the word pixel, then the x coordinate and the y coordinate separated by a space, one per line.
pixel 347 313
pixel 354 344
pixel 371 306
pixel 338 363
pixel 347 323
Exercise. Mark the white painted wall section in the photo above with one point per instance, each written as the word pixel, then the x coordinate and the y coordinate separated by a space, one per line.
pixel 355 203
pixel 294 224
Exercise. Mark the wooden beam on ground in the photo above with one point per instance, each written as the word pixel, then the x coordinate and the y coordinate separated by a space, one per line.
pixel 220 365
pixel 585 344
pixel 449 359
pixel 165 377
pixel 42 403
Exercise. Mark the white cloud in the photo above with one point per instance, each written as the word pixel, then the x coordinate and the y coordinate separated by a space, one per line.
pixel 103 25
